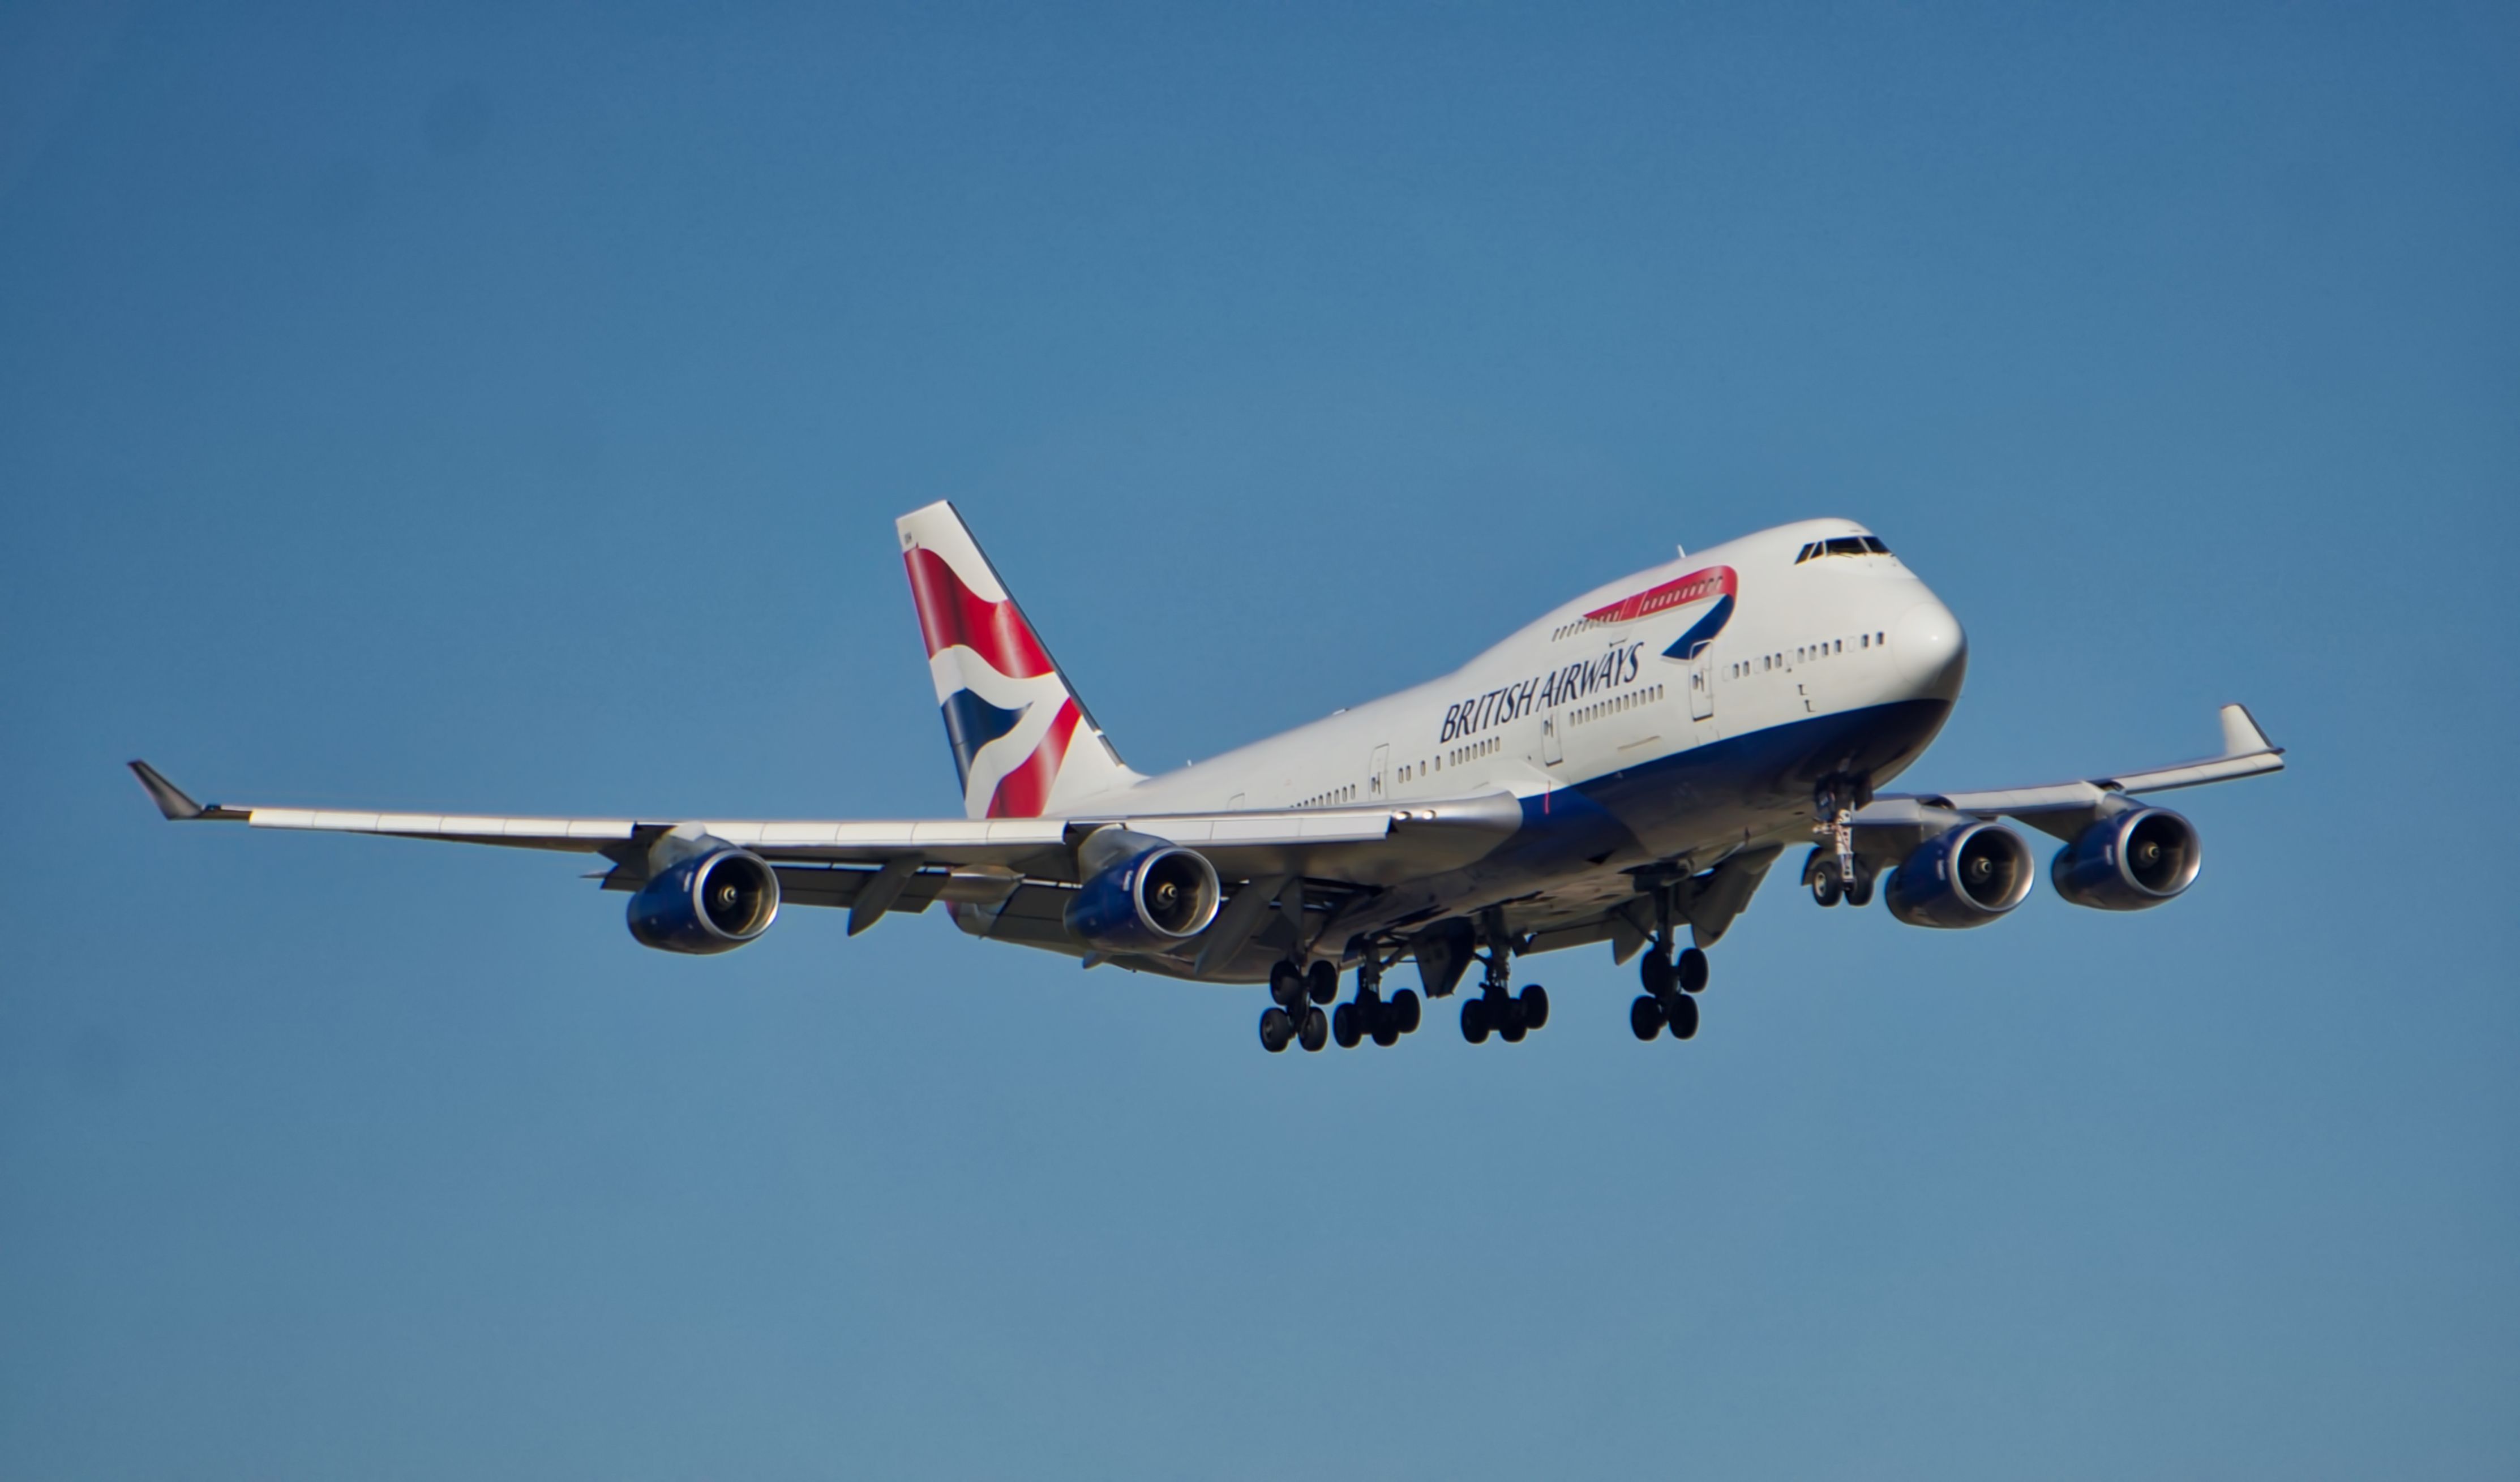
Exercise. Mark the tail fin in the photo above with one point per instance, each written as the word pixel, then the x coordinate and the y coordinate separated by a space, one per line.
pixel 1024 744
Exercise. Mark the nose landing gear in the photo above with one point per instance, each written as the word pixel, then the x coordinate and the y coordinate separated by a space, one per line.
pixel 1832 872
pixel 1829 886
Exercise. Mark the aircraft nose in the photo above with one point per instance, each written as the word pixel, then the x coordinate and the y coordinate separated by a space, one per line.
pixel 1930 650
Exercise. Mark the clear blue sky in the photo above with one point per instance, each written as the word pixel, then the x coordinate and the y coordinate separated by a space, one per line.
pixel 503 407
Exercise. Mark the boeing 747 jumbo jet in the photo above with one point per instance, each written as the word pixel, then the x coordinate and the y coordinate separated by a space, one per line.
pixel 1625 770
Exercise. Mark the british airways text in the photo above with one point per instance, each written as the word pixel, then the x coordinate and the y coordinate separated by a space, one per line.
pixel 1558 687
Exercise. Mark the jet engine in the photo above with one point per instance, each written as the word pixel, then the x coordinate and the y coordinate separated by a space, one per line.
pixel 712 902
pixel 2139 858
pixel 1142 894
pixel 1965 878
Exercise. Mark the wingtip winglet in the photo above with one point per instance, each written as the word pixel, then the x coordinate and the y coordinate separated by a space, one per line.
pixel 170 799
pixel 2242 734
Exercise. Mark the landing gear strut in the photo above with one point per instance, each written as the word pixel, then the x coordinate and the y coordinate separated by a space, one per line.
pixel 1842 877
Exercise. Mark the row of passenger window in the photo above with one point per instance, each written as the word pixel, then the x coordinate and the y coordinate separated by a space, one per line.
pixel 1616 703
pixel 1765 663
pixel 1457 755
pixel 1346 794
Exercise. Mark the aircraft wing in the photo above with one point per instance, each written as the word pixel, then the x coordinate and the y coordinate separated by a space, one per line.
pixel 2065 808
pixel 1361 845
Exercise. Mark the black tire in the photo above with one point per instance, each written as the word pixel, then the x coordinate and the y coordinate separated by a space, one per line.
pixel 1682 1014
pixel 1474 1021
pixel 1386 1032
pixel 1656 975
pixel 1644 1016
pixel 1824 884
pixel 1346 1025
pixel 1277 1030
pixel 1692 971
pixel 1323 981
pixel 1535 1007
pixel 1316 1031
pixel 1859 894
pixel 1406 1009
pixel 1285 984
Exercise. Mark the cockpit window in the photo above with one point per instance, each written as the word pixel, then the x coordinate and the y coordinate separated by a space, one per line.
pixel 1843 545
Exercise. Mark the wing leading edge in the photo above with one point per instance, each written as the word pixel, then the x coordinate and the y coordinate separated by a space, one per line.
pixel 2061 808
pixel 1363 844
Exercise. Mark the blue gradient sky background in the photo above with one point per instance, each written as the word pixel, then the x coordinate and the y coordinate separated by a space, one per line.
pixel 504 407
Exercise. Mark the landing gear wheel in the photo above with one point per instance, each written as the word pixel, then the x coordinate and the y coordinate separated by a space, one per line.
pixel 1277 1030
pixel 1323 981
pixel 1826 890
pixel 1681 1012
pixel 1860 893
pixel 1404 1010
pixel 1535 1007
pixel 1656 975
pixel 1345 1026
pixel 1644 1016
pixel 1474 1021
pixel 1316 1031
pixel 1386 1032
pixel 1285 984
pixel 1692 971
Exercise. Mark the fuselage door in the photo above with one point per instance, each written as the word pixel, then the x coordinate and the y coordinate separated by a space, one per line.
pixel 1552 750
pixel 1701 685
pixel 1377 773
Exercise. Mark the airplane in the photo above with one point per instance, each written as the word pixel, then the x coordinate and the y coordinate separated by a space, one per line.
pixel 1626 770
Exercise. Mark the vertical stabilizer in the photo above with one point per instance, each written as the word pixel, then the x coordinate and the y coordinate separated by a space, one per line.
pixel 1024 746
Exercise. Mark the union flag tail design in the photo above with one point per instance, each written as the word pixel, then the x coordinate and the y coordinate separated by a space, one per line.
pixel 1023 744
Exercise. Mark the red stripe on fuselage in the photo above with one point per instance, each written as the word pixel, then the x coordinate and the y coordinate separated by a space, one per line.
pixel 949 614
pixel 1696 586
pixel 1025 791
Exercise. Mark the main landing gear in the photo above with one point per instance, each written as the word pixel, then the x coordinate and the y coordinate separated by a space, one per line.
pixel 1498 1009
pixel 1671 984
pixel 1368 1016
pixel 1298 1016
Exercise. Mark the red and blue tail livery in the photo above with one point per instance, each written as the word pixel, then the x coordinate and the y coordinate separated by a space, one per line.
pixel 1023 744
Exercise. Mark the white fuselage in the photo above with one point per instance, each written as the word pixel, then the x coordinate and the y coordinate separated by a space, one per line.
pixel 1822 636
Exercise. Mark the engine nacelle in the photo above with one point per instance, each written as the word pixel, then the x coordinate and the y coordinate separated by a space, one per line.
pixel 2139 858
pixel 714 902
pixel 1965 878
pixel 1149 900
